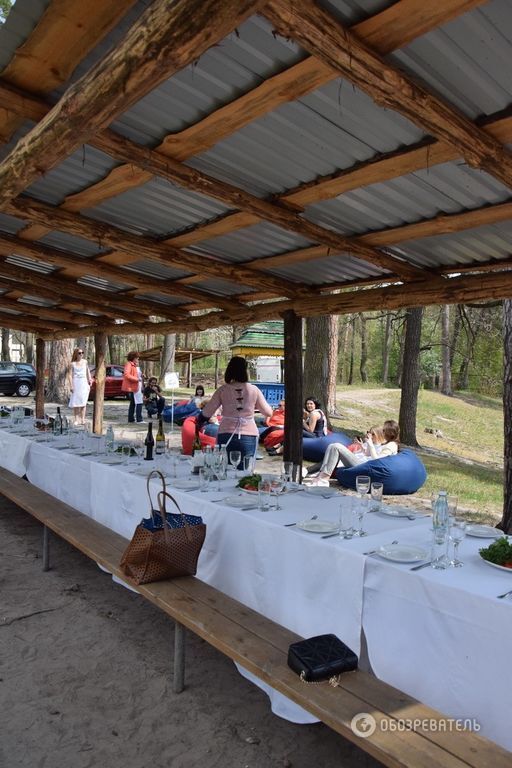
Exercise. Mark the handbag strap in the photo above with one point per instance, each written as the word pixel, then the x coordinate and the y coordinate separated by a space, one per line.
pixel 155 473
pixel 162 495
pixel 333 681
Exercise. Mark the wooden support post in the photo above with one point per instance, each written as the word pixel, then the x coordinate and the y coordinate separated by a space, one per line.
pixel 100 347
pixel 293 388
pixel 189 373
pixel 179 658
pixel 216 370
pixel 40 365
pixel 46 549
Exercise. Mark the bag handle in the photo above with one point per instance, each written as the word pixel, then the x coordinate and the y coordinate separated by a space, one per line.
pixel 162 495
pixel 154 473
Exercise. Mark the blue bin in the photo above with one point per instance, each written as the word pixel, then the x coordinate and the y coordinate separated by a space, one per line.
pixel 272 393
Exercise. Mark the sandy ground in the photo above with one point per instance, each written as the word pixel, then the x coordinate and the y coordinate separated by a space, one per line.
pixel 85 678
pixel 85 671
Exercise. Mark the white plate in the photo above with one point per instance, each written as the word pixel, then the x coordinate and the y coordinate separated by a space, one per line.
pixel 495 565
pixel 402 553
pixel 396 512
pixel 240 502
pixel 483 531
pixel 185 485
pixel 111 460
pixel 82 452
pixel 320 490
pixel 318 526
pixel 248 490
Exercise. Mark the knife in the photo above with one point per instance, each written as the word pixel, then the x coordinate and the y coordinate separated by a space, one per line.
pixel 419 567
pixel 330 535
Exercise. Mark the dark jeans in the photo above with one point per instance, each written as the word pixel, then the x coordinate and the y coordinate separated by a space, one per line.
pixel 134 410
pixel 246 444
pixel 305 433
pixel 156 406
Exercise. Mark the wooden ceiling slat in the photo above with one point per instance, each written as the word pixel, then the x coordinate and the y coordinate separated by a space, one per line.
pixel 455 290
pixel 165 38
pixel 52 313
pixel 322 35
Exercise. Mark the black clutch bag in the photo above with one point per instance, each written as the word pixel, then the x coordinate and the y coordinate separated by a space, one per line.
pixel 321 658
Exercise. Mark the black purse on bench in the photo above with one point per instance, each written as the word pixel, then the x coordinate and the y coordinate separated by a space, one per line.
pixel 319 658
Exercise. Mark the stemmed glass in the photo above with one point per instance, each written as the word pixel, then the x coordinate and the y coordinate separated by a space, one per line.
pixel 277 486
pixel 288 471
pixel 362 488
pixel 457 534
pixel 234 459
pixel 216 467
pixel 362 484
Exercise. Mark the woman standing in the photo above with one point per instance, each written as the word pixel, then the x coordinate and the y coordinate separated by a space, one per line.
pixel 132 384
pixel 79 380
pixel 239 400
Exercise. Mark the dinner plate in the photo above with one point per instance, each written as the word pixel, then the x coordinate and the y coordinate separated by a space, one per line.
pixel 85 452
pixel 240 502
pixel 320 490
pixel 483 531
pixel 248 490
pixel 495 565
pixel 318 526
pixel 111 460
pixel 395 512
pixel 189 484
pixel 402 553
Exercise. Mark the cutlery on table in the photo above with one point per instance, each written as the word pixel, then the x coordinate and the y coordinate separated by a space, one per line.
pixel 419 567
pixel 416 517
pixel 374 551
pixel 289 525
pixel 505 594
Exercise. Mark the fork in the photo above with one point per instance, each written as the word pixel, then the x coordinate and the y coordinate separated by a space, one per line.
pixel 289 525
pixel 505 594
pixel 374 551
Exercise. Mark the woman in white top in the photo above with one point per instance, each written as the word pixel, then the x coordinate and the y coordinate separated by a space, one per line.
pixel 377 444
pixel 79 380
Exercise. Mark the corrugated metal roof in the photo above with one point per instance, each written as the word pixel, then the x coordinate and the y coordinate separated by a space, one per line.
pixel 19 24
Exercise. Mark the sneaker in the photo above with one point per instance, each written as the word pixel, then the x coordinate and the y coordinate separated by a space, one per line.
pixel 141 422
pixel 259 456
pixel 320 481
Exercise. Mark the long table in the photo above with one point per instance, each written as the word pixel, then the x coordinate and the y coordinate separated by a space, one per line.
pixel 440 636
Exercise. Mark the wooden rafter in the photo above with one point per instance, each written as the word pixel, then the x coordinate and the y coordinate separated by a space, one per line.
pixel 165 38
pixel 454 290
pixel 63 36
pixel 150 249
pixel 82 267
pixel 322 35
pixel 43 312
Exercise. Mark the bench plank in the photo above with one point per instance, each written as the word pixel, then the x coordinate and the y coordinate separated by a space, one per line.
pixel 261 646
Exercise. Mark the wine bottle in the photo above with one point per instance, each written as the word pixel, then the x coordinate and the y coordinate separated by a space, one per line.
pixel 149 442
pixel 57 423
pixel 160 439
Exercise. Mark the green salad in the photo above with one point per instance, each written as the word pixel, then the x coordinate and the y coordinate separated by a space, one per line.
pixel 499 552
pixel 249 482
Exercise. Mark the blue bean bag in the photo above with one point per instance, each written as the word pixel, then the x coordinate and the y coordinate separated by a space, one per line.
pixel 400 474
pixel 313 448
pixel 181 411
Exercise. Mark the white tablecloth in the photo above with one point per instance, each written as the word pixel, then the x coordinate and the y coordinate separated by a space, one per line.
pixel 440 636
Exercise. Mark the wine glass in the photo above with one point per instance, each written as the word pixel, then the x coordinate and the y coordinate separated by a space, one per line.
pixel 277 486
pixel 362 484
pixel 235 458
pixel 288 471
pixel 360 511
pixel 216 466
pixel 457 534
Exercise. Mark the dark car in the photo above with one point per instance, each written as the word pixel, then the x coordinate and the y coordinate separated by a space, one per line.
pixel 17 378
pixel 113 382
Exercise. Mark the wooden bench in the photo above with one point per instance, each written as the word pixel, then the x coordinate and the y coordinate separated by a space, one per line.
pixel 261 646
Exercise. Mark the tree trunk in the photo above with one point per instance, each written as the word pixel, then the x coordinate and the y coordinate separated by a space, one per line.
pixel 100 346
pixel 364 348
pixel 317 359
pixel 352 350
pixel 168 351
pixel 343 348
pixel 385 349
pixel 112 356
pixel 6 352
pixel 410 376
pixel 40 366
pixel 332 366
pixel 29 348
pixel 506 520
pixel 401 338
pixel 293 386
pixel 446 371
pixel 457 326
pixel 60 358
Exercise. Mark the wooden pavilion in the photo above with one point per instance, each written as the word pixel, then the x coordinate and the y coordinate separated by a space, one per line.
pixel 172 166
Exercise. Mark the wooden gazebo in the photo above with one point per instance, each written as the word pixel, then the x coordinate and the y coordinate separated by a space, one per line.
pixel 173 166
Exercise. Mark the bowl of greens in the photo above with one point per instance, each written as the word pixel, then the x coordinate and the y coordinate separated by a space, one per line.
pixel 498 554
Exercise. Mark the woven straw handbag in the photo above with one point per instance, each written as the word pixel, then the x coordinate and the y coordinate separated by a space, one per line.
pixel 165 545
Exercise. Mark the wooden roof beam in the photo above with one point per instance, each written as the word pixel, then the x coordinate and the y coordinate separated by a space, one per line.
pixel 9 244
pixel 325 37
pixel 148 248
pixel 280 214
pixel 165 38
pixel 43 312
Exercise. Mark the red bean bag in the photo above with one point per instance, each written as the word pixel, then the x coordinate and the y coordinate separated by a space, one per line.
pixel 188 433
pixel 273 438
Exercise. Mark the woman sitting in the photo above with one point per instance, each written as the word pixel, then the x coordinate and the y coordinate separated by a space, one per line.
pixel 198 396
pixel 314 423
pixel 274 434
pixel 377 444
